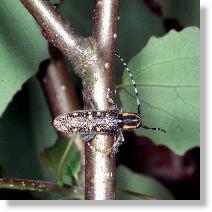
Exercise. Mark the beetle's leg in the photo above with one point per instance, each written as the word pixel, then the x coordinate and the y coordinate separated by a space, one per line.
pixel 112 150
pixel 90 101
pixel 118 142
pixel 113 106
pixel 121 137
pixel 149 128
pixel 88 137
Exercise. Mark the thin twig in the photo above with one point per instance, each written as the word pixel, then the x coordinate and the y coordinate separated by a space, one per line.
pixel 34 185
pixel 56 30
pixel 73 192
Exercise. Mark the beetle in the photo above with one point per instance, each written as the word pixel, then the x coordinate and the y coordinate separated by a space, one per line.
pixel 112 121
pixel 96 121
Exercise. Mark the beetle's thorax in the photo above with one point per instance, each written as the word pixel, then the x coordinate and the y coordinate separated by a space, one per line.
pixel 129 121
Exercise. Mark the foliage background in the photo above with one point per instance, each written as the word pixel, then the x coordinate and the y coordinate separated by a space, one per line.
pixel 24 128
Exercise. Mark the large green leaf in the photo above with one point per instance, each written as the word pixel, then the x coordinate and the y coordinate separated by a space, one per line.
pixel 167 74
pixel 25 132
pixel 137 23
pixel 22 48
pixel 186 12
pixel 18 155
pixel 42 132
pixel 137 186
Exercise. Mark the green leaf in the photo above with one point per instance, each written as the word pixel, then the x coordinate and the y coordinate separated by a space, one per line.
pixel 140 186
pixel 186 12
pixel 24 133
pixel 75 194
pixel 18 152
pixel 55 2
pixel 137 24
pixel 22 48
pixel 167 74
pixel 42 132
pixel 133 194
pixel 79 13
pixel 71 163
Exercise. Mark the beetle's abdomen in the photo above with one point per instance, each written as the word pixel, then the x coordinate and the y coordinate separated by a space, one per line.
pixel 87 122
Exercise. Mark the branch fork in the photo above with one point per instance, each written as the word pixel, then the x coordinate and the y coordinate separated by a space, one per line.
pixel 93 60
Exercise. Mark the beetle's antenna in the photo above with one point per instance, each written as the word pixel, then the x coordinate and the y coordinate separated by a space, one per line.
pixel 157 129
pixel 133 82
pixel 136 93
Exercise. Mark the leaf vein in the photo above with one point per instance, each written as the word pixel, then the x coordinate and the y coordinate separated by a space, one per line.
pixel 142 70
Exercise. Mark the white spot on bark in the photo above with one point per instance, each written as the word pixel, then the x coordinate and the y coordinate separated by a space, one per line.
pixel 63 87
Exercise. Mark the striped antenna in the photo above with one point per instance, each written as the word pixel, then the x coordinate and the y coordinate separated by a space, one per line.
pixel 136 93
pixel 133 82
pixel 157 129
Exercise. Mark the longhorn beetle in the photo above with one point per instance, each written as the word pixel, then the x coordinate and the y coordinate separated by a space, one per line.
pixel 92 122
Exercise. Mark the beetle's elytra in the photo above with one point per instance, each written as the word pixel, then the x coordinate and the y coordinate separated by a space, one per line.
pixel 96 121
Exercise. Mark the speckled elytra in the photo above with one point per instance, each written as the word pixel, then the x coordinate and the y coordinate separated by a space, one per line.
pixel 91 121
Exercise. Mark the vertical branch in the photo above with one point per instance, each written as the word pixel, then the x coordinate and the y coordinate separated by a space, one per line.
pixel 59 91
pixel 100 167
pixel 93 59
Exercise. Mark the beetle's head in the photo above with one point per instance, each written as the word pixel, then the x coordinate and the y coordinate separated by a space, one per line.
pixel 129 121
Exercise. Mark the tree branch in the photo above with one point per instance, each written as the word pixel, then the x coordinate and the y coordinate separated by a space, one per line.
pixel 56 30
pixel 73 192
pixel 100 167
pixel 25 184
pixel 93 60
pixel 59 90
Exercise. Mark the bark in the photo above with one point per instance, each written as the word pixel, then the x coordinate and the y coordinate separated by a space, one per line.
pixel 100 171
pixel 58 88
pixel 93 60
